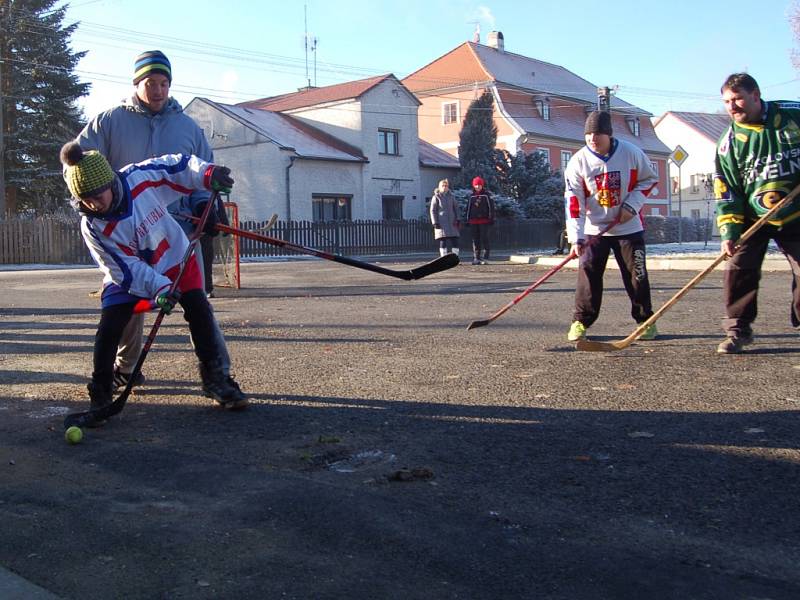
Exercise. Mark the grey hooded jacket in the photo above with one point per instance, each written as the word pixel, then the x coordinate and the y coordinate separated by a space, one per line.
pixel 130 133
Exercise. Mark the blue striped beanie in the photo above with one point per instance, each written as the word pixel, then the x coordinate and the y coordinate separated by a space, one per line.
pixel 152 61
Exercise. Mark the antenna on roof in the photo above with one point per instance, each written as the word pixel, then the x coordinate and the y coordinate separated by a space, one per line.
pixel 305 39
pixel 476 37
pixel 309 41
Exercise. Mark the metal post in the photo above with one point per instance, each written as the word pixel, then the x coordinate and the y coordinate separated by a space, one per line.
pixel 680 206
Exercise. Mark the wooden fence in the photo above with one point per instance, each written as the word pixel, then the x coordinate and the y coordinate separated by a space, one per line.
pixel 43 240
pixel 57 240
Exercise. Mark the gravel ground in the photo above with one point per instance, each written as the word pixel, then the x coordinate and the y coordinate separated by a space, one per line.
pixel 389 453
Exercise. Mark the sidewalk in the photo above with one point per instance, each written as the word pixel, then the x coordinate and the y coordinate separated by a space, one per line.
pixel 689 256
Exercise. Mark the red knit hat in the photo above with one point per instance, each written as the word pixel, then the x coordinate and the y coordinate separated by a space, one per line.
pixel 478 181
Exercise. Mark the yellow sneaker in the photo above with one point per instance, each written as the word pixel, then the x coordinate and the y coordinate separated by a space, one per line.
pixel 576 331
pixel 650 333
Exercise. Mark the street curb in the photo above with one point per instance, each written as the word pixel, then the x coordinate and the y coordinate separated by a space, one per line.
pixel 14 587
pixel 654 263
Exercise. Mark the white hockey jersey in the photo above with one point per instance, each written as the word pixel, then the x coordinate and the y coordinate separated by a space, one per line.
pixel 139 245
pixel 597 187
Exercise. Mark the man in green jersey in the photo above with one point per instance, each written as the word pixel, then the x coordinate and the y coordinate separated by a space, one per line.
pixel 757 164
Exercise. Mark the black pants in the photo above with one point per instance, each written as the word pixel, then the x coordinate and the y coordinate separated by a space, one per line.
pixel 207 248
pixel 480 239
pixel 743 274
pixel 113 319
pixel 630 255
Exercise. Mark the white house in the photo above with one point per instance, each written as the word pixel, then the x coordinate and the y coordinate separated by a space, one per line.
pixel 346 151
pixel 697 134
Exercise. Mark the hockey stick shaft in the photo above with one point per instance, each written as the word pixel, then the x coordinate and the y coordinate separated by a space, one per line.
pixel 596 346
pixel 85 418
pixel 538 282
pixel 440 264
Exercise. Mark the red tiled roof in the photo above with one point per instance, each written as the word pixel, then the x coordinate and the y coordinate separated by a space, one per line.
pixel 322 95
pixel 472 63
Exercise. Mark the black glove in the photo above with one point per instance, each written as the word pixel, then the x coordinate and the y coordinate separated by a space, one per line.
pixel 213 218
pixel 221 180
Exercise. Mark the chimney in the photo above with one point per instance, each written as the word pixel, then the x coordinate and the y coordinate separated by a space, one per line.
pixel 495 40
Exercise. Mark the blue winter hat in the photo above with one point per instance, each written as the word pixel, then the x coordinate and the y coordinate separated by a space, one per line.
pixel 152 61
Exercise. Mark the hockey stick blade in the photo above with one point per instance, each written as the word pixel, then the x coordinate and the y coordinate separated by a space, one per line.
pixel 448 261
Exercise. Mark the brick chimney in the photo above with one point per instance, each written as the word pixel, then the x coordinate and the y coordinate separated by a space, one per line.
pixel 495 40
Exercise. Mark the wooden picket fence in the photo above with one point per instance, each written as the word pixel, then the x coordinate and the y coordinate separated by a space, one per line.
pixel 57 239
pixel 51 240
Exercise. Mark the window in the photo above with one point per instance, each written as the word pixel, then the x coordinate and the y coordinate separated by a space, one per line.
pixel 654 165
pixel 449 112
pixel 696 181
pixel 545 153
pixel 392 208
pixel 388 142
pixel 331 208
pixel 543 107
pixel 695 213
pixel 633 125
pixel 565 156
pixel 656 212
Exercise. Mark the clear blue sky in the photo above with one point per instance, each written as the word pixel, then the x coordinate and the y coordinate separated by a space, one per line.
pixel 663 56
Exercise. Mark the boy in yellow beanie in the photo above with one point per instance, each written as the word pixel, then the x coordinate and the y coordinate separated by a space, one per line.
pixel 139 248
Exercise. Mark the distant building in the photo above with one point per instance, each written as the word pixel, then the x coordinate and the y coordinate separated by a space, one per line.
pixel 348 151
pixel 539 107
pixel 697 133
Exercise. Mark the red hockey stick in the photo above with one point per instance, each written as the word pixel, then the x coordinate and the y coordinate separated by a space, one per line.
pixel 537 283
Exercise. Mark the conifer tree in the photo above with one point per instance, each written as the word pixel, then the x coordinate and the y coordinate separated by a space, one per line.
pixel 38 95
pixel 477 140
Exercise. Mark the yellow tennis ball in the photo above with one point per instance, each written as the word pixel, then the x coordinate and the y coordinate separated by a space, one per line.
pixel 73 435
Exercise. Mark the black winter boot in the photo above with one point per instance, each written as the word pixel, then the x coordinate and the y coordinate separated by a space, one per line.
pixel 221 387
pixel 99 396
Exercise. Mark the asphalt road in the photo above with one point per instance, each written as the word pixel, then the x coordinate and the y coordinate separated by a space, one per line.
pixel 389 453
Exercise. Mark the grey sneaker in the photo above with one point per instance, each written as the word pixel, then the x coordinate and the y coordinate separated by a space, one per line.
pixel 734 345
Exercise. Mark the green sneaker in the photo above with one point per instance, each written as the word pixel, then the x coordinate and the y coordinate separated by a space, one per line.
pixel 576 331
pixel 650 333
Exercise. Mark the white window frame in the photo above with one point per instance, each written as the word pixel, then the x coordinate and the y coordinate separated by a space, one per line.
pixel 654 166
pixel 544 152
pixel 565 154
pixel 448 113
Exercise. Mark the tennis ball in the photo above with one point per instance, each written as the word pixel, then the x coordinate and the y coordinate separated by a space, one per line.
pixel 73 435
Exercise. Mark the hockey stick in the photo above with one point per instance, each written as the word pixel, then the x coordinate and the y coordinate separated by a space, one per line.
pixel 442 263
pixel 595 346
pixel 86 418
pixel 538 282
pixel 270 223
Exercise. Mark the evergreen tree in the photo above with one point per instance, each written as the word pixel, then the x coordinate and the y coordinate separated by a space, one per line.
pixel 39 93
pixel 477 140
pixel 528 179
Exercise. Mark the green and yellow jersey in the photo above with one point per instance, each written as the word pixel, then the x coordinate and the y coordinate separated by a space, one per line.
pixel 756 166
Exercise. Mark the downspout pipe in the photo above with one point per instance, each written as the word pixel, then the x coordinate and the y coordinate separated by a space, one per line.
pixel 288 189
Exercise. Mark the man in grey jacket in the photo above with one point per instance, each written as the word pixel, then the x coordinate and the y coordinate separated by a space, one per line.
pixel 149 124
